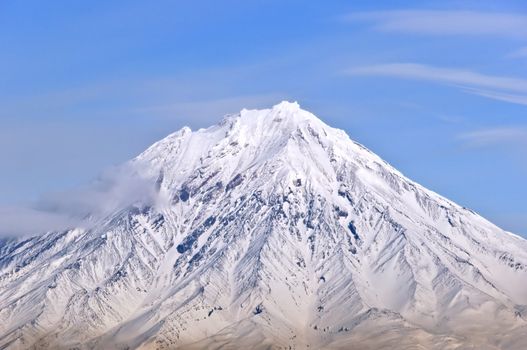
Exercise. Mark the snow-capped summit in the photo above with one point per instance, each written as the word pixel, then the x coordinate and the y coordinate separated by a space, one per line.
pixel 288 106
pixel 272 230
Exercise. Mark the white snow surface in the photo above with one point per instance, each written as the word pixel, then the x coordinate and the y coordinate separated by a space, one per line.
pixel 271 230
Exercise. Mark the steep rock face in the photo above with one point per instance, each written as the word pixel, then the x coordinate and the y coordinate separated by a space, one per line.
pixel 270 229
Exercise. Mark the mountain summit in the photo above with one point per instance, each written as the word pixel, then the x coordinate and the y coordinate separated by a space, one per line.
pixel 269 230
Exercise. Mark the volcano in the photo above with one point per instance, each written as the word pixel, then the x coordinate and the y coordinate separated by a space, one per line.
pixel 269 230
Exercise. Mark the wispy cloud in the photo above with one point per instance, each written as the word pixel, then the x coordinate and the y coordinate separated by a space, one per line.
pixel 115 189
pixel 190 94
pixel 20 221
pixel 210 109
pixel 519 53
pixel 493 136
pixel 446 75
pixel 507 89
pixel 427 22
pixel 500 96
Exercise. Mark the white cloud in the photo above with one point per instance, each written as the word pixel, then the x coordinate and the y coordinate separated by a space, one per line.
pixel 500 96
pixel 206 110
pixel 191 95
pixel 20 221
pixel 446 75
pixel 507 89
pixel 117 188
pixel 520 53
pixel 503 135
pixel 427 22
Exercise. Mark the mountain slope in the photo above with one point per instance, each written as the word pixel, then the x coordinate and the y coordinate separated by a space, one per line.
pixel 270 229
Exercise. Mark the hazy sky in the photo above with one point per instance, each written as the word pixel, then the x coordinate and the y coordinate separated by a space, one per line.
pixel 438 89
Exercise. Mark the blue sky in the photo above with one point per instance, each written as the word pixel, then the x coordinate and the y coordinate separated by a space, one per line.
pixel 437 88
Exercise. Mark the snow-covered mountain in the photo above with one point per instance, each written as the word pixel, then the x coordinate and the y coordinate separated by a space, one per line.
pixel 269 230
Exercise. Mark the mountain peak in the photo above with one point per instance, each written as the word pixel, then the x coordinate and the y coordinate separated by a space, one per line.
pixel 290 113
pixel 283 106
pixel 248 139
pixel 287 106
